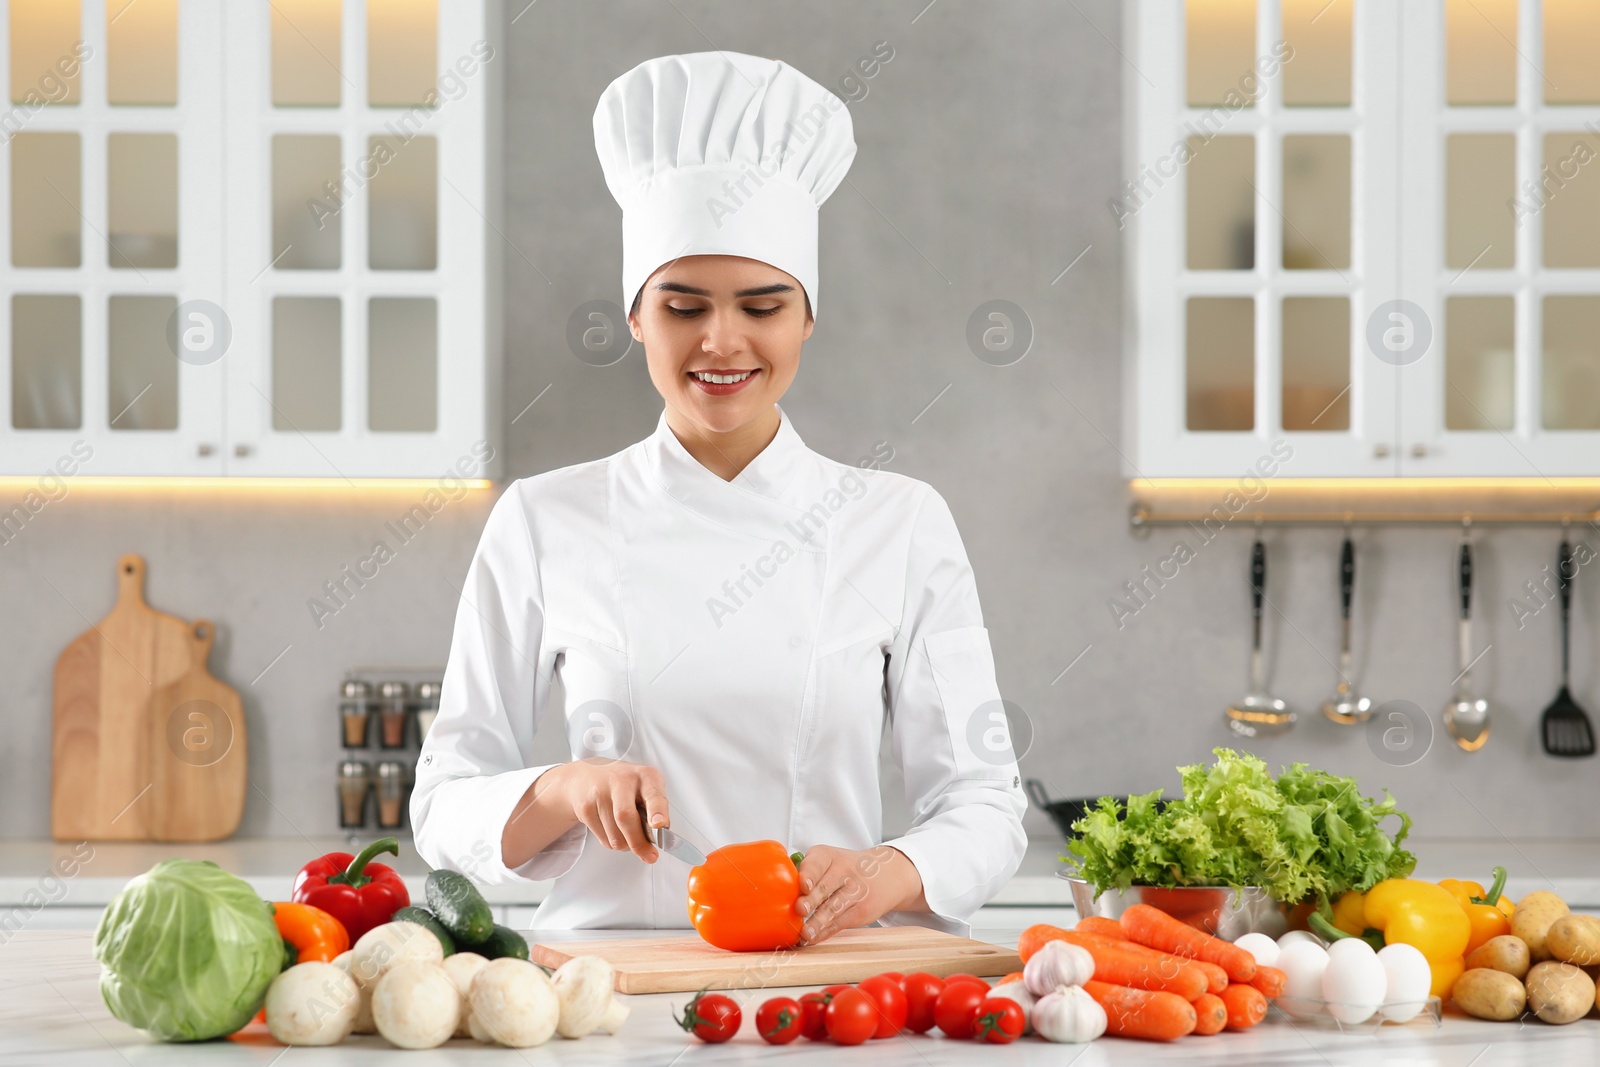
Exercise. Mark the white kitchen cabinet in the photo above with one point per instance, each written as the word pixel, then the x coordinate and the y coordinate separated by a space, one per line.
pixel 1294 169
pixel 317 182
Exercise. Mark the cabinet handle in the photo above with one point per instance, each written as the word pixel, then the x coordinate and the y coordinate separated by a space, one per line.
pixel 1380 451
pixel 1419 450
pixel 205 449
pixel 242 450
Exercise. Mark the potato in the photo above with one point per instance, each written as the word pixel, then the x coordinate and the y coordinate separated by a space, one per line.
pixel 1559 992
pixel 1575 939
pixel 1486 993
pixel 1504 953
pixel 1534 915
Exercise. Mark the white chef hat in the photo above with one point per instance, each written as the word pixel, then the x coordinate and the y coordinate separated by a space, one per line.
pixel 720 153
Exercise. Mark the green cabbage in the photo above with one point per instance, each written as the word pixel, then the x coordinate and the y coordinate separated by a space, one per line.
pixel 1305 835
pixel 187 951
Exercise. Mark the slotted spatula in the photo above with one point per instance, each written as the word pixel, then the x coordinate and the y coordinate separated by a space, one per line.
pixel 1564 724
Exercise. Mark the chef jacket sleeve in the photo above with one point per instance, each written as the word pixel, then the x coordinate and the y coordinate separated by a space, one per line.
pixel 949 734
pixel 473 767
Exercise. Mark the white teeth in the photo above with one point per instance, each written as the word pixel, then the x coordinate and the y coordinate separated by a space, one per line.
pixel 721 379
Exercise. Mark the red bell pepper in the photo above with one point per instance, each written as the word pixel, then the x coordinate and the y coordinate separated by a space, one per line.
pixel 742 897
pixel 359 893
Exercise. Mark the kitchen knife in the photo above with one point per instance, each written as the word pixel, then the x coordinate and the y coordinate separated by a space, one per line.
pixel 669 842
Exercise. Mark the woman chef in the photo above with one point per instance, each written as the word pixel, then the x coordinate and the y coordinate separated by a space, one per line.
pixel 732 617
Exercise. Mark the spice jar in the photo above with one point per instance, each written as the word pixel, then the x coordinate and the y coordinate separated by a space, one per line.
pixel 355 782
pixel 391 794
pixel 355 712
pixel 427 708
pixel 394 701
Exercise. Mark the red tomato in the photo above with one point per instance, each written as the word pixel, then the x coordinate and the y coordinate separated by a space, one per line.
pixel 851 1017
pixel 957 1007
pixel 999 1020
pixel 778 1020
pixel 922 992
pixel 812 1009
pixel 890 1002
pixel 896 975
pixel 830 990
pixel 949 978
pixel 711 1017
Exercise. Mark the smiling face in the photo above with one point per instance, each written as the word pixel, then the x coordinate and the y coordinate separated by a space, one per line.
pixel 722 337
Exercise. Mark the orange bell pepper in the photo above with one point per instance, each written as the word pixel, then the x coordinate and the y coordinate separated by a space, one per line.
pixel 1490 913
pixel 314 933
pixel 742 898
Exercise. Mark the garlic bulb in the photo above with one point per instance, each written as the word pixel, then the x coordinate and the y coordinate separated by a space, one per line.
pixel 1057 964
pixel 1069 1014
pixel 1018 991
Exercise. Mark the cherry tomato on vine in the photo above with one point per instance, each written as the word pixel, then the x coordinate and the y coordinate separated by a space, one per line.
pixel 890 1003
pixel 851 1017
pixel 778 1020
pixel 957 1008
pixel 711 1017
pixel 922 993
pixel 999 1021
pixel 813 1007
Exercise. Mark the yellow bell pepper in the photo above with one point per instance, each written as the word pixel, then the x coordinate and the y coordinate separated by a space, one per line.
pixel 1489 913
pixel 1412 912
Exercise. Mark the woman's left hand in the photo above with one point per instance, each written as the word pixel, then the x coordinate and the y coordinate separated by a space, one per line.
pixel 841 889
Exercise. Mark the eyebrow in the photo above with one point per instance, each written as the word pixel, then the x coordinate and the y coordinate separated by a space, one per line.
pixel 760 290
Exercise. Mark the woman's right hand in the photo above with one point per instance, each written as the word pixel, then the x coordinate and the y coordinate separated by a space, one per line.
pixel 616 800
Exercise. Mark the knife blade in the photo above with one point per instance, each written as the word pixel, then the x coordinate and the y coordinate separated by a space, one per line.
pixel 669 842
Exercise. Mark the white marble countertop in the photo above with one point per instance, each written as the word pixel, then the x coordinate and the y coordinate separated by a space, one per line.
pixel 1569 867
pixel 51 1013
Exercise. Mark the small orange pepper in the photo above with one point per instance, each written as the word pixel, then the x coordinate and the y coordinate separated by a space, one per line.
pixel 1490 913
pixel 314 933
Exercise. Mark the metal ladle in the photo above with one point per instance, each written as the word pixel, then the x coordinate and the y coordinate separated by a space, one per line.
pixel 1345 706
pixel 1466 718
pixel 1258 714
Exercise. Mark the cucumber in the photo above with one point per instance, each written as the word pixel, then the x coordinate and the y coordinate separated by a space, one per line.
pixel 423 917
pixel 504 941
pixel 459 906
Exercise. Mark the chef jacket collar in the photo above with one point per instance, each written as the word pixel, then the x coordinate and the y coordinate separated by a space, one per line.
pixel 760 499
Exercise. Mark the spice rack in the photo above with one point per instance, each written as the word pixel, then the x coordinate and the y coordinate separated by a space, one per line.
pixel 389 708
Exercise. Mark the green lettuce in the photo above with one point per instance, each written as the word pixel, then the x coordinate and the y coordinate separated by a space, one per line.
pixel 1304 835
pixel 187 951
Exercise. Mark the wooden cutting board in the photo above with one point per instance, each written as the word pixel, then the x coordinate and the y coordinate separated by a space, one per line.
pixel 686 963
pixel 199 756
pixel 104 758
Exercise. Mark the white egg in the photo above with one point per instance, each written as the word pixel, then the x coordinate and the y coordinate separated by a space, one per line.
pixel 1262 947
pixel 1409 979
pixel 1354 982
pixel 1302 964
pixel 1300 935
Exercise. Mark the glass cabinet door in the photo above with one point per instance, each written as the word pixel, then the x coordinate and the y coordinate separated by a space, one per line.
pixel 110 253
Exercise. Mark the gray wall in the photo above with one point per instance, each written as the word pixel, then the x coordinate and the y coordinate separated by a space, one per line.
pixel 988 148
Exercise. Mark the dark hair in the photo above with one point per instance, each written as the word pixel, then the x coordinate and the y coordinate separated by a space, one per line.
pixel 635 309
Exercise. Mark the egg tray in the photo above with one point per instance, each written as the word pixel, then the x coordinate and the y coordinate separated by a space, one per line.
pixel 1314 1015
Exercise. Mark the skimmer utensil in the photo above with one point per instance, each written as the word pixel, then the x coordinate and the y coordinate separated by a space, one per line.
pixel 1258 714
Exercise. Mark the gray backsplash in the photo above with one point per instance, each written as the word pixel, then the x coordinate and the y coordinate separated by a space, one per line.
pixel 988 147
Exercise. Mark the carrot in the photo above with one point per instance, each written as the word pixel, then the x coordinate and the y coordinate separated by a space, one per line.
pixel 1014 976
pixel 1144 1013
pixel 1102 927
pixel 1216 977
pixel 1155 928
pixel 1035 937
pixel 1270 981
pixel 1211 1015
pixel 1115 963
pixel 1246 1006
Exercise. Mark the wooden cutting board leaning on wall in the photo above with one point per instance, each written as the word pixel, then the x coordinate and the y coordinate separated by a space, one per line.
pixel 147 745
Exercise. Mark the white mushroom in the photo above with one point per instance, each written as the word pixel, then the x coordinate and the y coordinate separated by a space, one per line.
pixel 363 1023
pixel 462 968
pixel 416 1004
pixel 384 946
pixel 513 1004
pixel 615 1016
pixel 583 986
pixel 312 1004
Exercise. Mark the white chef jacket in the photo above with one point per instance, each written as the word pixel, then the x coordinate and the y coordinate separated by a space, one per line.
pixel 749 639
